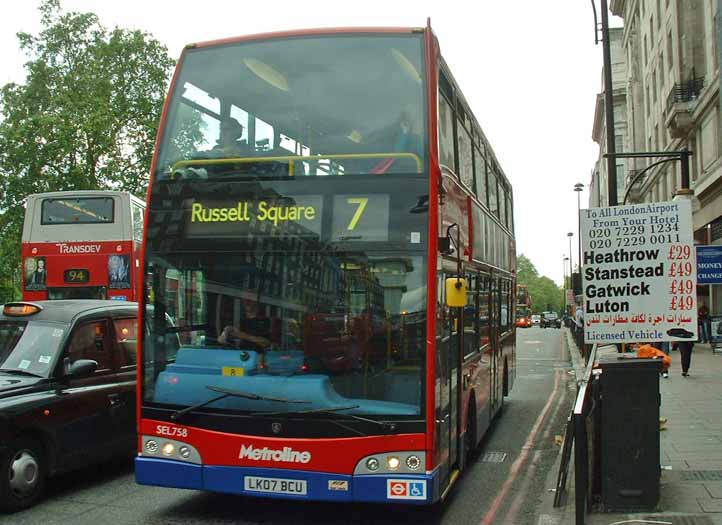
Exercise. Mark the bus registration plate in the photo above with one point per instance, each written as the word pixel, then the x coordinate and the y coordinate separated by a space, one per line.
pixel 296 487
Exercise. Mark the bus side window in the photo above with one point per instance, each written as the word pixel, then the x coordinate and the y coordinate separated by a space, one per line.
pixel 137 223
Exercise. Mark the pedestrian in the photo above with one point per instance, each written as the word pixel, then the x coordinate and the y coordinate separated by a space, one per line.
pixel 685 351
pixel 704 323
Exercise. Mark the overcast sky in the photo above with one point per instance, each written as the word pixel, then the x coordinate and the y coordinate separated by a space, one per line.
pixel 530 71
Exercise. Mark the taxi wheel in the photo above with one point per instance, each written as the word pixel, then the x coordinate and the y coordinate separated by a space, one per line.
pixel 23 474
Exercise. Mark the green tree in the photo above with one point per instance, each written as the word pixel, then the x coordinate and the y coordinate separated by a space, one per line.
pixel 85 118
pixel 544 293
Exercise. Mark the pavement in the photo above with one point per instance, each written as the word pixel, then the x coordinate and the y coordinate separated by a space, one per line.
pixel 690 449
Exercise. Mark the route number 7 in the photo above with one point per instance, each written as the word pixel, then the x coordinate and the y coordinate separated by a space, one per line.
pixel 361 202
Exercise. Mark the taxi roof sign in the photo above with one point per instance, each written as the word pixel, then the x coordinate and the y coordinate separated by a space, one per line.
pixel 21 309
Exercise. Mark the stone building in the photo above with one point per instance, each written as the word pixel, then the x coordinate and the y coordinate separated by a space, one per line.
pixel 672 102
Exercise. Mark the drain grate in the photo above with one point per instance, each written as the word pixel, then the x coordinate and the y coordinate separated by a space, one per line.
pixel 493 457
pixel 700 475
pixel 680 520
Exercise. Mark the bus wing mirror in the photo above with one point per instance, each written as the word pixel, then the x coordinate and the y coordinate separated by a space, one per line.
pixel 445 246
pixel 455 292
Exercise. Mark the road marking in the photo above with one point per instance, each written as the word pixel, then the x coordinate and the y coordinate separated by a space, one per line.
pixel 488 519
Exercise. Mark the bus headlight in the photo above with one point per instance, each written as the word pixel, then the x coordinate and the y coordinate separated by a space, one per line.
pixel 169 449
pixel 396 462
pixel 413 462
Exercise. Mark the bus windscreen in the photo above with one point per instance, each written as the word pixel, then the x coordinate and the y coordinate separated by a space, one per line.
pixel 91 210
pixel 322 105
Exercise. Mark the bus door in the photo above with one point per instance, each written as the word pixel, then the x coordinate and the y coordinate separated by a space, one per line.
pixel 448 350
pixel 494 306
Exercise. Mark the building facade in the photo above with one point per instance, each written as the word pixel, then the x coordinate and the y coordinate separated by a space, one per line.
pixel 672 84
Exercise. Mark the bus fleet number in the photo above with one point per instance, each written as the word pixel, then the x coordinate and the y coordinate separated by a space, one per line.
pixel 165 430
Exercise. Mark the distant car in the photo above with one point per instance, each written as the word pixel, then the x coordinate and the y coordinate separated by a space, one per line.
pixel 550 320
pixel 536 320
pixel 523 321
pixel 67 390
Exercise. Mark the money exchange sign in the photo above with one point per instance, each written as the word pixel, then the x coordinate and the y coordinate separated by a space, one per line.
pixel 639 273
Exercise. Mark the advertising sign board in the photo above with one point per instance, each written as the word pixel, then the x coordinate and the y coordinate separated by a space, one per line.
pixel 639 273
pixel 709 264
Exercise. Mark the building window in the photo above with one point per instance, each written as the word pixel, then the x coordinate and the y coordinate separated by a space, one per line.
pixel 669 50
pixel 663 177
pixel 645 50
pixel 659 13
pixel 654 86
pixel 708 141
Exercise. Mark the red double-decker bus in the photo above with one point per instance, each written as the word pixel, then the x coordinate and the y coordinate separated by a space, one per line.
pixel 329 264
pixel 82 245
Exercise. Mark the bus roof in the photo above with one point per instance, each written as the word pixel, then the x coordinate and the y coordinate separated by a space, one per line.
pixel 306 32
pixel 85 193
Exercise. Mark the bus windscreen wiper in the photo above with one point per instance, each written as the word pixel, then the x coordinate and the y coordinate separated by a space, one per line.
pixel 231 393
pixel 335 411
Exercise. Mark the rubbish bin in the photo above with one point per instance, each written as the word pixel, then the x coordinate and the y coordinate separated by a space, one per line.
pixel 629 448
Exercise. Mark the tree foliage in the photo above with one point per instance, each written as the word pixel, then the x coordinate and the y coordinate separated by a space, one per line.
pixel 545 294
pixel 85 118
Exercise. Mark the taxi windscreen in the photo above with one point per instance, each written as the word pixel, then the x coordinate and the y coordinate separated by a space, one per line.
pixel 29 348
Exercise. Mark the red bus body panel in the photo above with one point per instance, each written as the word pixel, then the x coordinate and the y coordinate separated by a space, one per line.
pixel 87 255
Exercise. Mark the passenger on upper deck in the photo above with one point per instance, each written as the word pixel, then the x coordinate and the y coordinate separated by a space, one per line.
pixel 229 144
pixel 401 137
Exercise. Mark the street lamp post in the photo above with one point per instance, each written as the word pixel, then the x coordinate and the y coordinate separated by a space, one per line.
pixel 570 234
pixel 579 187
pixel 564 282
pixel 571 279
pixel 608 101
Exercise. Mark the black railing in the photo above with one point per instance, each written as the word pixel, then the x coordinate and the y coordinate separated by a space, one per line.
pixel 685 91
pixel 586 441
pixel 582 429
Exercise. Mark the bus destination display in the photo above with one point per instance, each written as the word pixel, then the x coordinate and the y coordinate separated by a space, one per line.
pixel 353 217
pixel 76 276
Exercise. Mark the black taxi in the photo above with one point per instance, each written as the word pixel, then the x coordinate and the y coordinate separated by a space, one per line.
pixel 67 390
